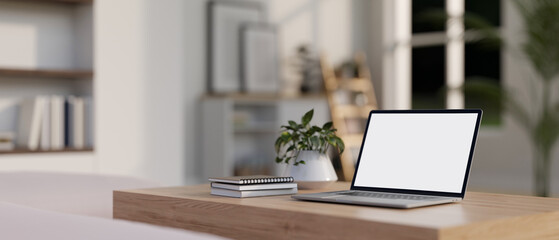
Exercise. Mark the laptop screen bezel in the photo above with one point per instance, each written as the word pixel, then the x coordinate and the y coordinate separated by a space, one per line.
pixel 421 192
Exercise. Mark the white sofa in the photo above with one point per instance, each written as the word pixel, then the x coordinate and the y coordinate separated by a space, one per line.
pixel 36 205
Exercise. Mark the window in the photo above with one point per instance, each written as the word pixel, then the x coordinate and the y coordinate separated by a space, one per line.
pixel 484 62
pixel 441 60
pixel 428 77
pixel 421 6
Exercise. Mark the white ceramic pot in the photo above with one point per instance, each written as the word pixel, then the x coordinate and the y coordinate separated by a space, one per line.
pixel 317 172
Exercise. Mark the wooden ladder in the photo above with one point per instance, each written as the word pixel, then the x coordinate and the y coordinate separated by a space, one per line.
pixel 350 100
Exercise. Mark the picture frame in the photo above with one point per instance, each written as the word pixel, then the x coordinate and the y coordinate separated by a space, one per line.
pixel 224 19
pixel 259 63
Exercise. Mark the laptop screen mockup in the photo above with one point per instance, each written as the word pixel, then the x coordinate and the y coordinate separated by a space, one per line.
pixel 418 150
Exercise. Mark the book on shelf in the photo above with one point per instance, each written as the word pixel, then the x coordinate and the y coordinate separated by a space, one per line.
pixel 45 143
pixel 265 186
pixel 254 179
pixel 78 121
pixel 88 122
pixel 30 114
pixel 55 122
pixel 255 193
pixel 68 121
pixel 74 122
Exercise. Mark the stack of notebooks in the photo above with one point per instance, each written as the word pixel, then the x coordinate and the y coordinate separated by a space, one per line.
pixel 252 186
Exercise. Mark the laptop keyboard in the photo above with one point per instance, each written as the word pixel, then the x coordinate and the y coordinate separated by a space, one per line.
pixel 387 195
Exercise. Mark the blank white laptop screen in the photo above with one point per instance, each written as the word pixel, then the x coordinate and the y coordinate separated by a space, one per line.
pixel 427 152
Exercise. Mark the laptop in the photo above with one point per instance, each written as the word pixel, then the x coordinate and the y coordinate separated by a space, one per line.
pixel 411 158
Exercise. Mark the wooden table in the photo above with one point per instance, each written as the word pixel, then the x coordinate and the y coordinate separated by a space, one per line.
pixel 479 216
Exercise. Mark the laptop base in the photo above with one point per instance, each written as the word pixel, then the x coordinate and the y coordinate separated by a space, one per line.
pixel 343 198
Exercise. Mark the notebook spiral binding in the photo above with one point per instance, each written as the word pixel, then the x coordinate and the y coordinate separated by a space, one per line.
pixel 267 180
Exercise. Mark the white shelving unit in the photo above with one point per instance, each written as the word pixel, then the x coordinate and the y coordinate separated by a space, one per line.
pixel 47 49
pixel 239 131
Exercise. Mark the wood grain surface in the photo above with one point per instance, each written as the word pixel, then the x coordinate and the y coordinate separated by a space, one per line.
pixel 479 216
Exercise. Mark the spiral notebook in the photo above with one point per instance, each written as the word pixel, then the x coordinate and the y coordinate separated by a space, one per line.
pixel 254 179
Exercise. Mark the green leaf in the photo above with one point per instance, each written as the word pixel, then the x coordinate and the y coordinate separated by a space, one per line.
pixel 279 160
pixel 316 128
pixel 306 119
pixel 287 159
pixel 314 141
pixel 294 137
pixel 291 148
pixel 285 136
pixel 310 132
pixel 287 127
pixel 293 125
pixel 278 144
pixel 302 162
pixel 340 144
pixel 327 125
pixel 331 141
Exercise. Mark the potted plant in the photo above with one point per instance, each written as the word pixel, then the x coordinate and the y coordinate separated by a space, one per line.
pixel 303 148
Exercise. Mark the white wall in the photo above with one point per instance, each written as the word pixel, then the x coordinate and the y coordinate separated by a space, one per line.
pixel 375 45
pixel 324 25
pixel 195 82
pixel 149 75
pixel 119 86
pixel 175 81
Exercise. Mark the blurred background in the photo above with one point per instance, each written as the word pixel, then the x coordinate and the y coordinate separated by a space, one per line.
pixel 176 91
